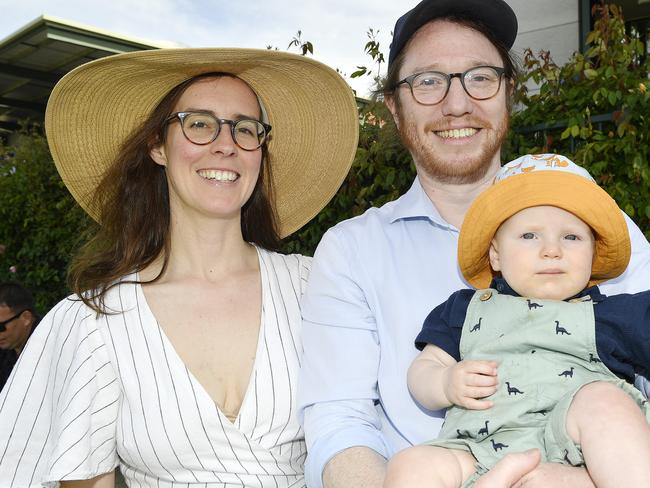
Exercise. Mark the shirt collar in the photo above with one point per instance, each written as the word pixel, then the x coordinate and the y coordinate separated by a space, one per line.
pixel 502 286
pixel 414 204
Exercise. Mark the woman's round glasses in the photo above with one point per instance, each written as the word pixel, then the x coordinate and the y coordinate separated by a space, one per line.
pixel 202 128
pixel 431 87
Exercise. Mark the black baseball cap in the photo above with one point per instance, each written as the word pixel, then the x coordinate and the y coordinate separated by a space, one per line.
pixel 496 15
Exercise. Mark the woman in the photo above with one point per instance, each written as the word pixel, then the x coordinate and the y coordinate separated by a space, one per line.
pixel 177 356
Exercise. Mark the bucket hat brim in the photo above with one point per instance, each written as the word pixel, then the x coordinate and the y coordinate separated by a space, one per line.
pixel 570 192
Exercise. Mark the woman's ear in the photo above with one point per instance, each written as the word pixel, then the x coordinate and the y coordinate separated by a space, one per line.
pixel 494 256
pixel 158 154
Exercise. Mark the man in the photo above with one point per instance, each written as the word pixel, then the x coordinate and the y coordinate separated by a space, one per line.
pixel 17 322
pixel 375 277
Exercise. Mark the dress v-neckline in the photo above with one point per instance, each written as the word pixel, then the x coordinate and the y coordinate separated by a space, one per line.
pixel 198 387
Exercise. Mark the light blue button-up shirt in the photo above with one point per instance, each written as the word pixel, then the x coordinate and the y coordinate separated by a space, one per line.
pixel 374 279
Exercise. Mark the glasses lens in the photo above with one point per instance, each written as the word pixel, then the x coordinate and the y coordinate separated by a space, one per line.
pixel 249 134
pixel 200 128
pixel 3 325
pixel 482 82
pixel 429 88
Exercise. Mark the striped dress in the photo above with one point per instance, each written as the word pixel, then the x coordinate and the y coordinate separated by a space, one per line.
pixel 90 393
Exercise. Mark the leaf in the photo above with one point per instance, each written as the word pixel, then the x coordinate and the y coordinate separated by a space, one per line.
pixel 590 74
pixel 361 70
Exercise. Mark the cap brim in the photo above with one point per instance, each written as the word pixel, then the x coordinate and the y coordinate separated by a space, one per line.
pixel 496 15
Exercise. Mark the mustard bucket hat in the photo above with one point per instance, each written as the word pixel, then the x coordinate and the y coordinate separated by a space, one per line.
pixel 95 107
pixel 543 179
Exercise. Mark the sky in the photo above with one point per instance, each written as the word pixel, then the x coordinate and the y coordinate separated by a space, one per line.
pixel 336 28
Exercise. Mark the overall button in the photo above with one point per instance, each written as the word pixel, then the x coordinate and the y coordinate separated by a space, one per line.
pixel 485 296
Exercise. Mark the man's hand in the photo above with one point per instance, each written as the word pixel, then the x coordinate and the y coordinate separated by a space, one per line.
pixel 511 470
pixel 523 470
pixel 557 476
pixel 467 382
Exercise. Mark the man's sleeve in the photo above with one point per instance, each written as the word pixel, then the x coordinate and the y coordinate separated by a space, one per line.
pixel 636 277
pixel 338 383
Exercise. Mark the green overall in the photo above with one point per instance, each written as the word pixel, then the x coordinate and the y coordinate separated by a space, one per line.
pixel 546 350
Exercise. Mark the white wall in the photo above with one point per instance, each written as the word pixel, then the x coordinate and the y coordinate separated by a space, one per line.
pixel 549 25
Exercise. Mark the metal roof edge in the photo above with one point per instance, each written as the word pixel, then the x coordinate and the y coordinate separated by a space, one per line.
pixel 46 20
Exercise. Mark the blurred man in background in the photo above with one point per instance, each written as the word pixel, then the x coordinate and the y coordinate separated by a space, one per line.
pixel 17 321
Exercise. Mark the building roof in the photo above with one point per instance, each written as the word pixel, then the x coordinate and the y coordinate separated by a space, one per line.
pixel 35 57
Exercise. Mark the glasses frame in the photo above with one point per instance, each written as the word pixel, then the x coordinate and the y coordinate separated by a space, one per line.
pixel 450 76
pixel 181 116
pixel 3 324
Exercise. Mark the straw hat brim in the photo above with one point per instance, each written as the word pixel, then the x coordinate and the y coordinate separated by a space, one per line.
pixel 94 108
pixel 570 192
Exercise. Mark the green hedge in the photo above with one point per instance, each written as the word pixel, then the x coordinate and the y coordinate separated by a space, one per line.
pixel 596 110
pixel 40 223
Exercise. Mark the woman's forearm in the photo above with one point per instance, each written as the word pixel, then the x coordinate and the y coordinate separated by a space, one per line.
pixel 102 481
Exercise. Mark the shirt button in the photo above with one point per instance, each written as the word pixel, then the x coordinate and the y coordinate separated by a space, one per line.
pixel 485 296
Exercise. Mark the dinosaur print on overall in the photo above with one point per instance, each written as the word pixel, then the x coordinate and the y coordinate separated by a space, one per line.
pixel 545 351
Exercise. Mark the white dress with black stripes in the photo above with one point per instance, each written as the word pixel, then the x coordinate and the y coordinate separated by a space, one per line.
pixel 90 393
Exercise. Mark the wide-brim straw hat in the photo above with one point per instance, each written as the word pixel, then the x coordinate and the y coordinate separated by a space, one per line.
pixel 535 180
pixel 95 107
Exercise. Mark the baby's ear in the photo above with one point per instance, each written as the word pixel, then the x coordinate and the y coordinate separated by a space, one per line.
pixel 494 256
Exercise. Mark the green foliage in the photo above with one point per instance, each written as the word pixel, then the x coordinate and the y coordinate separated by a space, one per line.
pixel 304 46
pixel 595 109
pixel 382 170
pixel 372 49
pixel 41 223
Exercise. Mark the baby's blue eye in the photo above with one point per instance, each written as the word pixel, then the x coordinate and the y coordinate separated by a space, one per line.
pixel 528 235
pixel 572 237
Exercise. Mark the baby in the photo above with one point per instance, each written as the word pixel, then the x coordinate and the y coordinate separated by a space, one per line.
pixel 537 357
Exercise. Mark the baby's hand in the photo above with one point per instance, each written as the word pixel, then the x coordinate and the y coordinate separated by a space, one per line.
pixel 467 382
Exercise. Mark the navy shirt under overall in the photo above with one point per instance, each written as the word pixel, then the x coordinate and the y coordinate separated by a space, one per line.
pixel 622 327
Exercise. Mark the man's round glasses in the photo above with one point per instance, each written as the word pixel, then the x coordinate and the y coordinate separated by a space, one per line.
pixel 3 324
pixel 202 128
pixel 431 87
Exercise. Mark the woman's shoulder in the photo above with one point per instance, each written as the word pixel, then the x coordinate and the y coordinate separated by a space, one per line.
pixel 69 311
pixel 75 308
pixel 288 269
pixel 295 263
pixel 51 416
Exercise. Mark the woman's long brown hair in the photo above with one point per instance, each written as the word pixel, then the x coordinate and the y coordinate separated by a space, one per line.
pixel 134 200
